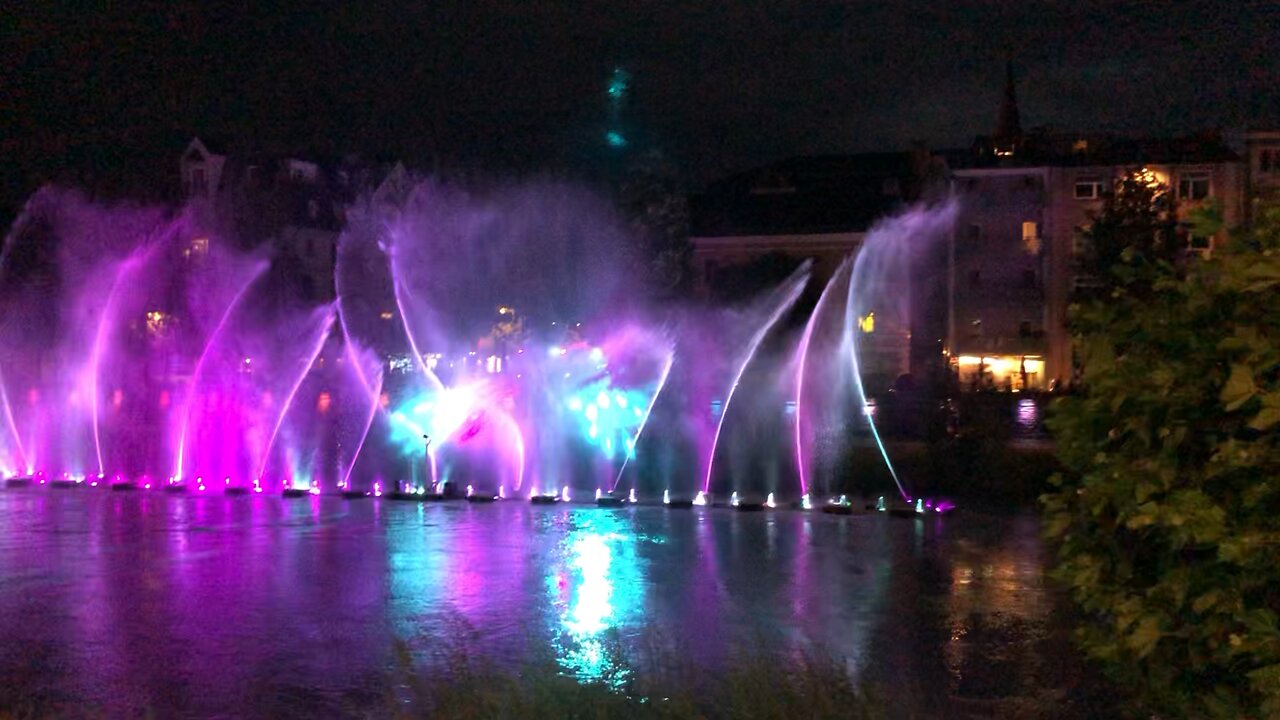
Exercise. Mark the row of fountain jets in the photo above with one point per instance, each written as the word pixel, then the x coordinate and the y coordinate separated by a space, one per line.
pixel 864 274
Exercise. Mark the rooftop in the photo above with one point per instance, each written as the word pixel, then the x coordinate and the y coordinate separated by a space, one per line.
pixel 1039 148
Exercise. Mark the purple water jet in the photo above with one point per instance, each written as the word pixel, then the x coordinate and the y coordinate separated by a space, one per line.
pixel 200 363
pixel 790 292
pixel 805 339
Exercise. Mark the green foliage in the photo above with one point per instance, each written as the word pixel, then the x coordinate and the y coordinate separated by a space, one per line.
pixel 1135 234
pixel 1166 516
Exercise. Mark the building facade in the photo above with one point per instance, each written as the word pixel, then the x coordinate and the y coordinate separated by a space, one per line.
pixel 1262 163
pixel 751 229
pixel 300 206
pixel 1014 256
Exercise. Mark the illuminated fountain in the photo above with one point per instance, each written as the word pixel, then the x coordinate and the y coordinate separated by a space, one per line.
pixel 488 345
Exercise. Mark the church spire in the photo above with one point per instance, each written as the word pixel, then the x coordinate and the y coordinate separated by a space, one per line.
pixel 1008 133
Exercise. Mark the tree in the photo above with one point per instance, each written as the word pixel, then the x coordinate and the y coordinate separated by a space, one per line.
pixel 1136 231
pixel 1165 515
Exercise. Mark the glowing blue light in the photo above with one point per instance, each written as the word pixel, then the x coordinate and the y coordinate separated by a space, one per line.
pixel 700 498
pixel 575 404
pixel 805 502
pixel 618 83
pixel 620 399
pixel 603 400
pixel 880 503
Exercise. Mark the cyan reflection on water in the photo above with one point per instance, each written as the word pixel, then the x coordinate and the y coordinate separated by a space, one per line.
pixel 211 605
pixel 596 586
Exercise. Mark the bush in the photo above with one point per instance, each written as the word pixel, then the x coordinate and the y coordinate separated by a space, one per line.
pixel 1166 513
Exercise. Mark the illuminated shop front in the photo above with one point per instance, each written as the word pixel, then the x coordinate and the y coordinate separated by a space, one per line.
pixel 1000 372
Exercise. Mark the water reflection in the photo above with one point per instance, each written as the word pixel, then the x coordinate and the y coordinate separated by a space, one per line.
pixel 198 606
pixel 596 586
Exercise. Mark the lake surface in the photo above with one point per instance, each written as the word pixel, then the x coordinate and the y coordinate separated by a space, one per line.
pixel 116 603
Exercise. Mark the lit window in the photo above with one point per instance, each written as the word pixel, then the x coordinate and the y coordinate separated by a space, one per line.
pixel 1030 237
pixel 1080 145
pixel 1151 178
pixel 1193 186
pixel 157 323
pixel 1088 189
pixel 386 314
pixel 867 324
pixel 200 246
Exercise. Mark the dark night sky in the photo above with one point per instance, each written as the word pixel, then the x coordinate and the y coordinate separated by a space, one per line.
pixel 519 83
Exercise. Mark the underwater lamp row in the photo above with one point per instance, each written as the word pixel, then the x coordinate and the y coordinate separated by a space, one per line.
pixel 736 500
